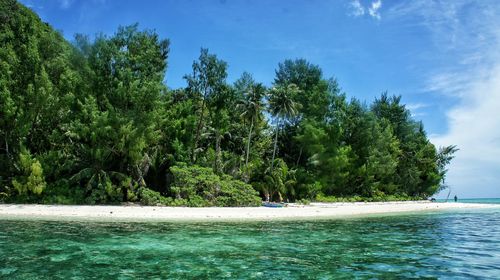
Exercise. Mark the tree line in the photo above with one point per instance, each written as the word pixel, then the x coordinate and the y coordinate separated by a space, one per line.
pixel 92 122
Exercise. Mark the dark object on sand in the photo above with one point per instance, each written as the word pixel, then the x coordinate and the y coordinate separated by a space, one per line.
pixel 273 204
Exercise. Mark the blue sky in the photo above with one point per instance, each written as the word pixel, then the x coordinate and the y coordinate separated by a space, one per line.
pixel 441 56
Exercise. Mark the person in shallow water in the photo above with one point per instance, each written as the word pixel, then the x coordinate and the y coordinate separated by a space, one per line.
pixel 455 198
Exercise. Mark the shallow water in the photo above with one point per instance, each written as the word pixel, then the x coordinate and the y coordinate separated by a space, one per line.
pixel 473 200
pixel 459 244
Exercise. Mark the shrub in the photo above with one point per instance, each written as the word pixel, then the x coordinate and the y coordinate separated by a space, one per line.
pixel 3 196
pixel 303 201
pixel 61 192
pixel 200 186
pixel 152 198
pixel 32 181
pixel 376 198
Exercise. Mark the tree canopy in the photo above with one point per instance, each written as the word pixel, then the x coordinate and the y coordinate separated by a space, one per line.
pixel 92 121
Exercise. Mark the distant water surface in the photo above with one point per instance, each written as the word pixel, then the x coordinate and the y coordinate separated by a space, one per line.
pixel 453 244
pixel 473 200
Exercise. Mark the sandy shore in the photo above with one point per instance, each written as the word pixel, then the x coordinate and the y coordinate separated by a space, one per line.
pixel 292 212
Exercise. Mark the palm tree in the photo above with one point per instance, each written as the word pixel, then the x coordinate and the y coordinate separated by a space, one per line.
pixel 280 180
pixel 251 107
pixel 282 107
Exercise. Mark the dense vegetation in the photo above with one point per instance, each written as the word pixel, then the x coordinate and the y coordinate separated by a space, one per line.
pixel 93 122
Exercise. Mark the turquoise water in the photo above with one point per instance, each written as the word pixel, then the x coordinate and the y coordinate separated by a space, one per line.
pixel 475 200
pixel 457 245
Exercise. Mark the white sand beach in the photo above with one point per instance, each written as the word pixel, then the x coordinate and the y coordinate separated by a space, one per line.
pixel 291 212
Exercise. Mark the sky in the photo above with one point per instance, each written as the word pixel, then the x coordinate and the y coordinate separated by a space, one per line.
pixel 443 57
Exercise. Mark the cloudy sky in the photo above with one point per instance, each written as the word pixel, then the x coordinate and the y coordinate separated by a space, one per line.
pixel 443 57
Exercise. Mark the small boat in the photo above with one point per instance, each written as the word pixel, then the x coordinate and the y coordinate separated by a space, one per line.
pixel 273 204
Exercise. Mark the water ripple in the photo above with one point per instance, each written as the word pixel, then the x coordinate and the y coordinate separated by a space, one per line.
pixel 449 245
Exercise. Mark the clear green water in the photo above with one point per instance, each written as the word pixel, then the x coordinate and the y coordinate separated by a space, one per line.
pixel 474 200
pixel 453 245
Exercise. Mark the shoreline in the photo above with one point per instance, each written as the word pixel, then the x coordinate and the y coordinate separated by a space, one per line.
pixel 136 213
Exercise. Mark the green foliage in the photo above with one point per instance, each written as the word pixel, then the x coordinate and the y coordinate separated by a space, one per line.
pixel 200 186
pixel 281 104
pixel 31 181
pixel 207 82
pixel 3 196
pixel 283 109
pixel 152 198
pixel 61 192
pixel 303 201
pixel 311 190
pixel 280 180
pixel 93 122
pixel 312 98
pixel 377 198
pixel 251 107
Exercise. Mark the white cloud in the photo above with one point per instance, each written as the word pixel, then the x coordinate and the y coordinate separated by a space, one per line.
pixel 468 33
pixel 474 126
pixel 373 10
pixel 416 106
pixel 416 109
pixel 356 8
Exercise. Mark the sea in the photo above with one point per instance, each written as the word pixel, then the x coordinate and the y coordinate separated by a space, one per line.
pixel 452 244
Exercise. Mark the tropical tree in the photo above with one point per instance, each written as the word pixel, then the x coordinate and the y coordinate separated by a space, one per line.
pixel 282 108
pixel 208 79
pixel 93 122
pixel 280 180
pixel 313 94
pixel 219 105
pixel 114 128
pixel 444 157
pixel 251 111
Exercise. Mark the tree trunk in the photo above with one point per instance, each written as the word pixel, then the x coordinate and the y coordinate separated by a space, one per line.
pixel 198 131
pixel 275 145
pixel 248 144
pixel 217 152
pixel 7 147
pixel 298 158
